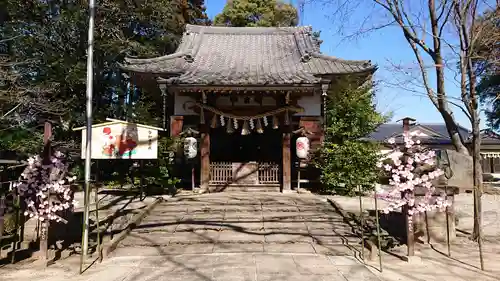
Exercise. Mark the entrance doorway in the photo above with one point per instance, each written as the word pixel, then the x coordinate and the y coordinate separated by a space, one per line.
pixel 252 159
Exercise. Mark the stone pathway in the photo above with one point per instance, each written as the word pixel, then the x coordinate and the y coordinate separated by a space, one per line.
pixel 253 237
pixel 204 267
pixel 225 236
pixel 241 222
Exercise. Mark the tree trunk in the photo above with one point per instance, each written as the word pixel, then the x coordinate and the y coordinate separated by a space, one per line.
pixel 478 178
pixel 453 131
pixel 441 102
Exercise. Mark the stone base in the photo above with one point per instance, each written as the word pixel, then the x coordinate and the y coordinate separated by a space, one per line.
pixel 244 188
pixel 412 259
pixel 430 227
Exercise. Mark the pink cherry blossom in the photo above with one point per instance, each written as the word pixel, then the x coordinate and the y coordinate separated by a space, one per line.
pixel 403 179
pixel 39 181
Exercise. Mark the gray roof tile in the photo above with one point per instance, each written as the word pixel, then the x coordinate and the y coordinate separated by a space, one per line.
pixel 437 132
pixel 246 56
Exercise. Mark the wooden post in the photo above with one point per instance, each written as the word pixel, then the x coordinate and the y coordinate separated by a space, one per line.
pixel 2 213
pixel 205 158
pixel 44 226
pixel 410 237
pixel 287 167
pixel 142 180
pixel 192 176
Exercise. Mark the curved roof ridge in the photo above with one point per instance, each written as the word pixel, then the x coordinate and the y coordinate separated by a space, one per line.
pixel 190 28
pixel 332 58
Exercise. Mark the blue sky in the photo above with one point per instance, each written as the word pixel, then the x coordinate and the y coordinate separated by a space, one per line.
pixel 386 48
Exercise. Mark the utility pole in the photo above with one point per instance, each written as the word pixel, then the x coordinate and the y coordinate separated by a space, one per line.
pixel 88 145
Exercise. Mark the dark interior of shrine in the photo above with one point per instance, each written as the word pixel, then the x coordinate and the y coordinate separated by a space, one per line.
pixel 235 147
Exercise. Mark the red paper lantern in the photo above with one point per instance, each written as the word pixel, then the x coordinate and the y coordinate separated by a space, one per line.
pixel 302 147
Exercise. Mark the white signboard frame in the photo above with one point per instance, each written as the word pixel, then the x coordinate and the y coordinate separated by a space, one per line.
pixel 117 139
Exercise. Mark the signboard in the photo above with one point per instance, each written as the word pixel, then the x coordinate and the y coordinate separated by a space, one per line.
pixel 121 140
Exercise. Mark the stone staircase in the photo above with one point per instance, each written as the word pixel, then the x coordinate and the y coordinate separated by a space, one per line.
pixel 241 222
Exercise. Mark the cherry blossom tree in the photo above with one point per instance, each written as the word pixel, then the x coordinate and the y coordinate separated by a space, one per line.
pixel 44 187
pixel 411 167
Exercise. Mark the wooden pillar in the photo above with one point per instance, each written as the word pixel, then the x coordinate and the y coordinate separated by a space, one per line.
pixel 287 164
pixel 176 124
pixel 410 237
pixel 205 158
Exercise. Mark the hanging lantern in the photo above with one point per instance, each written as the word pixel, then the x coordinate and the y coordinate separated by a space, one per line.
pixel 202 116
pixel 229 127
pixel 302 147
pixel 190 147
pixel 258 127
pixel 265 121
pixel 222 121
pixel 276 124
pixel 245 130
pixel 287 118
pixel 213 124
pixel 235 122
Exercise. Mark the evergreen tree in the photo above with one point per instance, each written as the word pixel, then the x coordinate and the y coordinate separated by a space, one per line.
pixel 345 160
pixel 43 61
pixel 43 53
pixel 241 13
pixel 487 63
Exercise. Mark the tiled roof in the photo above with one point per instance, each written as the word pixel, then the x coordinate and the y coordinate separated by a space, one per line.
pixel 436 133
pixel 489 137
pixel 246 56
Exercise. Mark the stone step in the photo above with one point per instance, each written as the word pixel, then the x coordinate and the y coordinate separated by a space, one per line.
pixel 179 249
pixel 164 238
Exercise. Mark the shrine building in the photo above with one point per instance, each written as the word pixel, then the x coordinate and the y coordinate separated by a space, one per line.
pixel 246 90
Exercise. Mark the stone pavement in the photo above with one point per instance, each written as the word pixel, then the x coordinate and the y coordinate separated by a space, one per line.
pixel 256 237
pixel 225 236
pixel 204 267
pixel 241 222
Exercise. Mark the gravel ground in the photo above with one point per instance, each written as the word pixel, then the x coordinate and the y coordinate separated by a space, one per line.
pixel 464 208
pixel 465 253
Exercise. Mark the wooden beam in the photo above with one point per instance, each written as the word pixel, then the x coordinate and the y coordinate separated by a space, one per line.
pixel 248 89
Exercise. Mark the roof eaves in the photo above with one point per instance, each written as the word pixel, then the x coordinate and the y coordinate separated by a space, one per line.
pixel 130 60
pixel 142 69
pixel 364 63
pixel 431 130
